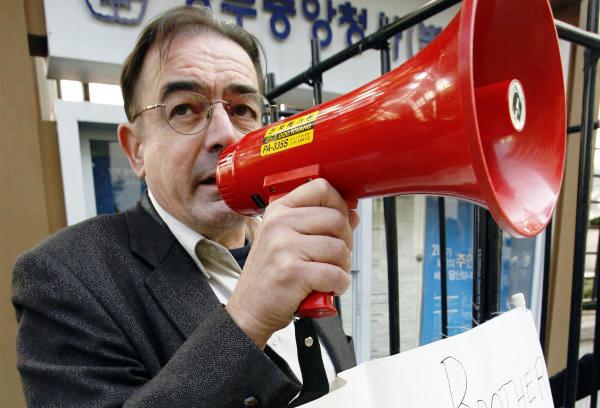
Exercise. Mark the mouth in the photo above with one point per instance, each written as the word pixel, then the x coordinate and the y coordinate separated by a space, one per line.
pixel 210 180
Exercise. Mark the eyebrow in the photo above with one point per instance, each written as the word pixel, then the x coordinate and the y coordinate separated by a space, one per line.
pixel 195 86
pixel 172 87
pixel 240 89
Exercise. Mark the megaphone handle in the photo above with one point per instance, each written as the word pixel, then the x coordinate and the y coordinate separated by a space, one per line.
pixel 320 304
pixel 317 304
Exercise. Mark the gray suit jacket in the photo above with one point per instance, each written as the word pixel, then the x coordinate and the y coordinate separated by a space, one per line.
pixel 114 312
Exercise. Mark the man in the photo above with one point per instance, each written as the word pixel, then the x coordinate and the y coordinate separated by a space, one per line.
pixel 127 309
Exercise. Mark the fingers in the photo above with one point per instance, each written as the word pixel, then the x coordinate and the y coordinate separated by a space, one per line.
pixel 322 263
pixel 324 249
pixel 314 221
pixel 316 193
pixel 318 209
pixel 323 277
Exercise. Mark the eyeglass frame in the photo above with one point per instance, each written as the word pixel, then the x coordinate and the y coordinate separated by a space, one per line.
pixel 269 114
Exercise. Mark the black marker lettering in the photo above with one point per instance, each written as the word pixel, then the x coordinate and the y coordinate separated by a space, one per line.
pixel 496 401
pixel 505 388
pixel 456 385
pixel 539 371
pixel 528 382
pixel 522 394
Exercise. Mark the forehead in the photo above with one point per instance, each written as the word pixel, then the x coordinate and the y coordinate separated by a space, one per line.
pixel 208 58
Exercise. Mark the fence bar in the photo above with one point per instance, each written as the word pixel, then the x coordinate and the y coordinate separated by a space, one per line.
pixel 373 41
pixel 546 285
pixel 492 267
pixel 577 128
pixel 582 214
pixel 391 237
pixel 270 85
pixel 578 36
pixel 478 296
pixel 317 80
pixel 487 245
pixel 443 266
pixel 391 244
pixel 596 350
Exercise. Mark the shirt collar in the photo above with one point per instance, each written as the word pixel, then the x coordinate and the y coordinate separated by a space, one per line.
pixel 187 237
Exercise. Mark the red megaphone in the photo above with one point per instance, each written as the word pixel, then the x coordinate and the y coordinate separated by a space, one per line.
pixel 479 114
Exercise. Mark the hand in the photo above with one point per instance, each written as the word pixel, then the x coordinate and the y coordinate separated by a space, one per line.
pixel 303 245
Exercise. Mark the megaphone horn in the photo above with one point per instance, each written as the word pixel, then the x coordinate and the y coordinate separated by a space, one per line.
pixel 479 114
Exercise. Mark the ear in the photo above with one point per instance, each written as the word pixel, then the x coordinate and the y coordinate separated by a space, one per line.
pixel 133 146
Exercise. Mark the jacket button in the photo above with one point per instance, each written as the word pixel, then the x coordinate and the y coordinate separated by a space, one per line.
pixel 251 402
pixel 308 342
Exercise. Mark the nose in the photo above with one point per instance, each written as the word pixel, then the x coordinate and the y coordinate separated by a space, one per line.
pixel 220 132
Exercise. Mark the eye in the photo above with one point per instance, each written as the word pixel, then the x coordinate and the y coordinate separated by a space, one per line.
pixel 180 110
pixel 185 106
pixel 243 111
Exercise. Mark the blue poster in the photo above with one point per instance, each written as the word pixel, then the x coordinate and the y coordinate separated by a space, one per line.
pixel 518 257
pixel 459 261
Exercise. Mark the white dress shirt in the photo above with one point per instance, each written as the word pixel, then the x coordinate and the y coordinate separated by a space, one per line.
pixel 222 273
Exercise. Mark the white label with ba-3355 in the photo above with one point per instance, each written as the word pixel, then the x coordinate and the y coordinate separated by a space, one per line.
pixel 498 364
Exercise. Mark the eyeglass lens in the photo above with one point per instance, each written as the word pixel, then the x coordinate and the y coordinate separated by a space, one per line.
pixel 189 112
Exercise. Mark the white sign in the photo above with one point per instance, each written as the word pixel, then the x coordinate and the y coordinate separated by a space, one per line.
pixel 496 365
pixel 88 40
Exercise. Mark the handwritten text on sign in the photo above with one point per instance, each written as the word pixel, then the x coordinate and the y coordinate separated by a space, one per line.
pixel 496 365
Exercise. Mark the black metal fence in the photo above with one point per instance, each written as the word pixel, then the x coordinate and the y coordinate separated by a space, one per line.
pixel 488 237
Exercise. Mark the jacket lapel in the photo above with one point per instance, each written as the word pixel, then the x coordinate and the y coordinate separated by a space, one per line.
pixel 175 281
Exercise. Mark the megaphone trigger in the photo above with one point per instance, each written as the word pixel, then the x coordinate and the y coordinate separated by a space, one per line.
pixel 279 184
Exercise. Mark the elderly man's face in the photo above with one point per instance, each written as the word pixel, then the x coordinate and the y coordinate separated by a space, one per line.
pixel 180 169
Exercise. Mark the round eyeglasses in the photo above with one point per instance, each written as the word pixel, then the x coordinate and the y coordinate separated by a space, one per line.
pixel 189 112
